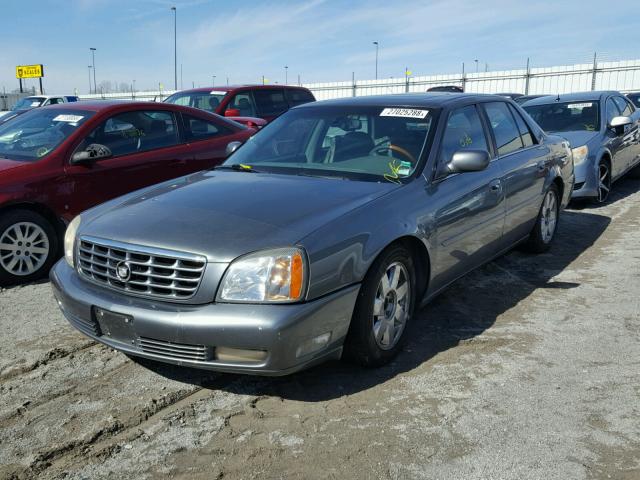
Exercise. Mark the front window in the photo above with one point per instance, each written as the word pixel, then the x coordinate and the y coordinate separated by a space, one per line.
pixel 28 103
pixel 566 116
pixel 208 101
pixel 366 143
pixel 635 98
pixel 35 134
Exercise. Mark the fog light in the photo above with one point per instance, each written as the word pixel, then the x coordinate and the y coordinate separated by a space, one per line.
pixel 313 344
pixel 239 355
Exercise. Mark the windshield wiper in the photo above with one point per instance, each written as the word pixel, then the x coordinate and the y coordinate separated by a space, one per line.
pixel 238 167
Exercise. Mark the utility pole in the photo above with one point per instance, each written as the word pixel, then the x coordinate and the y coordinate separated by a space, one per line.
pixel 213 80
pixel 89 79
pixel 175 47
pixel 93 58
pixel 595 69
pixel 376 44
pixel 286 74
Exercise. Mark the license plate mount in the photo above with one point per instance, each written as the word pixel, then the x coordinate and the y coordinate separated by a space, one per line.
pixel 116 326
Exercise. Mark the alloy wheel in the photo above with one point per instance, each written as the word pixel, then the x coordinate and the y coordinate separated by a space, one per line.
pixel 24 248
pixel 391 306
pixel 604 182
pixel 549 217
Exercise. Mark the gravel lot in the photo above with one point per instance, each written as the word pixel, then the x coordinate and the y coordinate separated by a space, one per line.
pixel 526 369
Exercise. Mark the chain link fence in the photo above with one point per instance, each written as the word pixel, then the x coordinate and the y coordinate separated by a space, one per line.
pixel 621 75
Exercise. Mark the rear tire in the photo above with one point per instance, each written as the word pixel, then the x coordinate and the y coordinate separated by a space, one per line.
pixel 544 230
pixel 28 247
pixel 385 306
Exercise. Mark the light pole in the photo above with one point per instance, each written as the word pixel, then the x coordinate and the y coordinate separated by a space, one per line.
pixel 175 47
pixel 286 74
pixel 213 77
pixel 89 79
pixel 133 88
pixel 93 61
pixel 476 60
pixel 376 44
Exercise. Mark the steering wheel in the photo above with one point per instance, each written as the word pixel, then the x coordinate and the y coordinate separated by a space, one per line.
pixel 395 148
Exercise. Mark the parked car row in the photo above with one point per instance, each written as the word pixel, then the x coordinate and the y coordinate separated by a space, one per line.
pixel 318 237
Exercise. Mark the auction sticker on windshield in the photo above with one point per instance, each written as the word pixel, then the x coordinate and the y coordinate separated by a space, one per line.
pixel 404 112
pixel 68 118
pixel 580 105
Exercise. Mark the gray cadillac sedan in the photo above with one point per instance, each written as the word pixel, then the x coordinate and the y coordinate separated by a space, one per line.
pixel 321 235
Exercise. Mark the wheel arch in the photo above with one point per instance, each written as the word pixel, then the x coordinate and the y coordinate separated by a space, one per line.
pixel 56 222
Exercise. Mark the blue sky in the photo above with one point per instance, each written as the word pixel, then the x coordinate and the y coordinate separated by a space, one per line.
pixel 322 40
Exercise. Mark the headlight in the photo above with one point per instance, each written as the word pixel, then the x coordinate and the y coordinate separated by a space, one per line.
pixel 70 240
pixel 270 276
pixel 580 154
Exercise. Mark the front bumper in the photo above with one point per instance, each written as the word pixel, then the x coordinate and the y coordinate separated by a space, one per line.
pixel 586 179
pixel 178 333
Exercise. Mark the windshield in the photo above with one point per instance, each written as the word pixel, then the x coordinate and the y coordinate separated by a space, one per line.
pixel 28 103
pixel 35 134
pixel 208 101
pixel 566 117
pixel 365 143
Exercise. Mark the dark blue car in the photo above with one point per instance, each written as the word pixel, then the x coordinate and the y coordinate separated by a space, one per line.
pixel 604 131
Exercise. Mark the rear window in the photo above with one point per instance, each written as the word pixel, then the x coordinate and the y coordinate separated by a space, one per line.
pixel 298 97
pixel 207 101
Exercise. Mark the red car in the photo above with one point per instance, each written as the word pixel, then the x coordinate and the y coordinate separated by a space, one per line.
pixel 57 161
pixel 262 101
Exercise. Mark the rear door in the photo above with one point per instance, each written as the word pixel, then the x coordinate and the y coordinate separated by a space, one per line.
pixel 146 149
pixel 471 220
pixel 270 102
pixel 525 165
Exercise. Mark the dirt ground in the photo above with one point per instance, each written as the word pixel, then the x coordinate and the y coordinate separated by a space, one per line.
pixel 528 368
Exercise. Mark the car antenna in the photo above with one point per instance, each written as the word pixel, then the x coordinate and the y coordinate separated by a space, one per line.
pixel 558 98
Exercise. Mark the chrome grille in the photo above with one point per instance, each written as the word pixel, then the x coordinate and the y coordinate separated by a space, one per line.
pixel 180 351
pixel 152 272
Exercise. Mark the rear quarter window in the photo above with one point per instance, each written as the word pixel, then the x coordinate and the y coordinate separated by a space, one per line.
pixel 298 97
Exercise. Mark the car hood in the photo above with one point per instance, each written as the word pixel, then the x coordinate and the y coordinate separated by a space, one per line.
pixel 577 138
pixel 6 164
pixel 225 214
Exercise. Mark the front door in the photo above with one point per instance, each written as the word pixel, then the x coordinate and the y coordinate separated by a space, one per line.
pixel 145 150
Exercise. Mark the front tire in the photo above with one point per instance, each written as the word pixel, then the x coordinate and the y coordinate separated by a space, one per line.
pixel 604 182
pixel 544 230
pixel 28 247
pixel 384 307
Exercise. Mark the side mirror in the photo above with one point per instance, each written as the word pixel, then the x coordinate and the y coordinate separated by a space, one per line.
pixel 468 161
pixel 232 147
pixel 618 123
pixel 95 151
pixel 232 112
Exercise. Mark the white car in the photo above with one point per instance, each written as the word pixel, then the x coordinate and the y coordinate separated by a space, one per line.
pixel 35 101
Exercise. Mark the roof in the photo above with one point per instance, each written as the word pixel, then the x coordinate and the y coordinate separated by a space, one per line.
pixel 592 96
pixel 222 88
pixel 429 100
pixel 96 105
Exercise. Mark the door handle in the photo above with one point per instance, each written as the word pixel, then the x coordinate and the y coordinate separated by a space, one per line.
pixel 495 186
pixel 542 165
